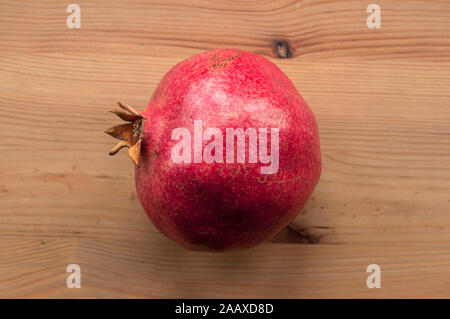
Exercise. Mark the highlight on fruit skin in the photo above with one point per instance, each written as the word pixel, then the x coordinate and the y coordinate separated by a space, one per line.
pixel 129 134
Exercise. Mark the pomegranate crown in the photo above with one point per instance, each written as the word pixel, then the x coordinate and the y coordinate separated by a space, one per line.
pixel 130 134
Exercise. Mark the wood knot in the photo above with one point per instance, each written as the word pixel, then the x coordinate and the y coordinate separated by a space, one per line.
pixel 283 49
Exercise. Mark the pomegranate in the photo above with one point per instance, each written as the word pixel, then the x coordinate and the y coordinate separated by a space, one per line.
pixel 227 152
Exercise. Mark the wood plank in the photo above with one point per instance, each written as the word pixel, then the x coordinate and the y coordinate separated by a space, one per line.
pixel 316 29
pixel 157 268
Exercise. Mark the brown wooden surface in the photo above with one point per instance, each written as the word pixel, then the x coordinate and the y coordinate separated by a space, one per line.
pixel 381 98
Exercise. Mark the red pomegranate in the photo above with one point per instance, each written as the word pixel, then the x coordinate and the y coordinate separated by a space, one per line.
pixel 227 152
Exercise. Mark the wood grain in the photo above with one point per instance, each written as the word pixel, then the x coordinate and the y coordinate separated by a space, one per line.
pixel 381 98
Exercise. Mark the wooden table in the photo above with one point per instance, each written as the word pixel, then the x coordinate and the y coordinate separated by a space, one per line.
pixel 381 98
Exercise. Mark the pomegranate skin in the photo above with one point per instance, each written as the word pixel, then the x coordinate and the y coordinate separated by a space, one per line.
pixel 223 206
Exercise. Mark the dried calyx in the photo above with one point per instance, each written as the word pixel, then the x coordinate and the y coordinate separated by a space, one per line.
pixel 130 134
